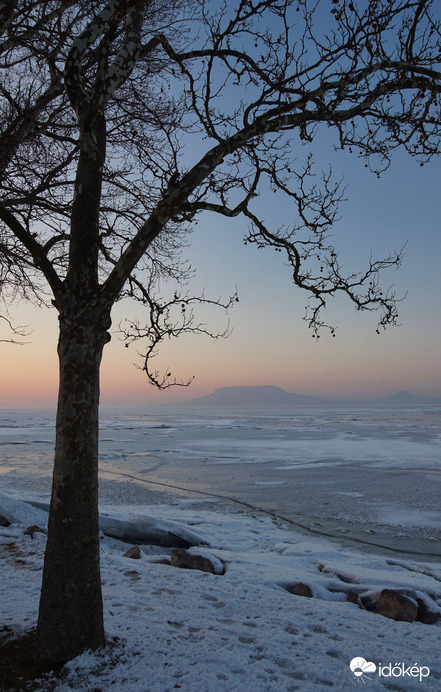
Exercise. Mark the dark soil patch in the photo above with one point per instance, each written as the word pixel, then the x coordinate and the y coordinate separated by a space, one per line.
pixel 19 669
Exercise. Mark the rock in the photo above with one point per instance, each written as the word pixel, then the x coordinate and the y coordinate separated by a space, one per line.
pixel 425 614
pixel 301 589
pixel 33 529
pixel 353 597
pixel 4 521
pixel 369 600
pixel 393 604
pixel 134 553
pixel 196 560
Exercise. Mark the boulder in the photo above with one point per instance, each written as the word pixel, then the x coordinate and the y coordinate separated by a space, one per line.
pixel 425 614
pixel 369 599
pixel 393 604
pixel 205 562
pixel 301 589
pixel 134 553
pixel 4 521
pixel 33 529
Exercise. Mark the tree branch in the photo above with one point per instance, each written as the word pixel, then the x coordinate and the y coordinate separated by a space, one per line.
pixel 162 324
pixel 37 252
pixel 18 331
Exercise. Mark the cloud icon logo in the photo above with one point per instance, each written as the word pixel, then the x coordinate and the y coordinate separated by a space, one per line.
pixel 360 667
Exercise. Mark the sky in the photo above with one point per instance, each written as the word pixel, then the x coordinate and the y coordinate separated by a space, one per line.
pixel 270 343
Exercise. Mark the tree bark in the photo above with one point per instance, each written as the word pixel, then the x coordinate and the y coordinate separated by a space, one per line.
pixel 71 612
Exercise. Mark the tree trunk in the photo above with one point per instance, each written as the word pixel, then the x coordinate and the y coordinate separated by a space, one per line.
pixel 71 612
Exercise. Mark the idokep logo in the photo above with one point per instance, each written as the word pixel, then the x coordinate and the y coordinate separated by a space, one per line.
pixel 361 668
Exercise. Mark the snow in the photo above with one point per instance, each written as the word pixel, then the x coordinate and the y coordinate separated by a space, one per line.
pixel 18 512
pixel 184 629
pixel 357 476
pixel 408 517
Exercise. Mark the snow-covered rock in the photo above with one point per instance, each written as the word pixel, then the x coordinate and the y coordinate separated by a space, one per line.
pixel 395 605
pixel 195 558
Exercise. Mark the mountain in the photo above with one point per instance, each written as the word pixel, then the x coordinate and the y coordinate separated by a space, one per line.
pixel 404 398
pixel 250 397
pixel 276 397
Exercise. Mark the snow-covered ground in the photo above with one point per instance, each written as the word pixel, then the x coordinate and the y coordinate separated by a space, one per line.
pixel 373 474
pixel 185 629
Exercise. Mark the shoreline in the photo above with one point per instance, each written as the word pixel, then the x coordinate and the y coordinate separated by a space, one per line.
pixel 362 531
pixel 371 482
pixel 313 518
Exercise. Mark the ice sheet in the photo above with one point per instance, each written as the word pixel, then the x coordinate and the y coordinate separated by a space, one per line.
pixel 345 472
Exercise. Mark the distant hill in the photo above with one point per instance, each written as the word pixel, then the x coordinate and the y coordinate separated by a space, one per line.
pixel 275 397
pixel 404 398
pixel 265 395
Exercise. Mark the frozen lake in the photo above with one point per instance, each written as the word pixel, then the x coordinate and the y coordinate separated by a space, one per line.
pixel 367 477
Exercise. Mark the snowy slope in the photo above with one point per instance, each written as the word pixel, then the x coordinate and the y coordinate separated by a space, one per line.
pixel 179 629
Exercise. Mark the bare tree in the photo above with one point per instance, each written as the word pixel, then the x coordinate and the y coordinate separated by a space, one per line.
pixel 121 123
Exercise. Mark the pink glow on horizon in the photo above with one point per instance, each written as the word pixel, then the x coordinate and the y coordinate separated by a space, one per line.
pixel 340 368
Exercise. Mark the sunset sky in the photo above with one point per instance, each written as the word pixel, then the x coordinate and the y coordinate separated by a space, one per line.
pixel 270 343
